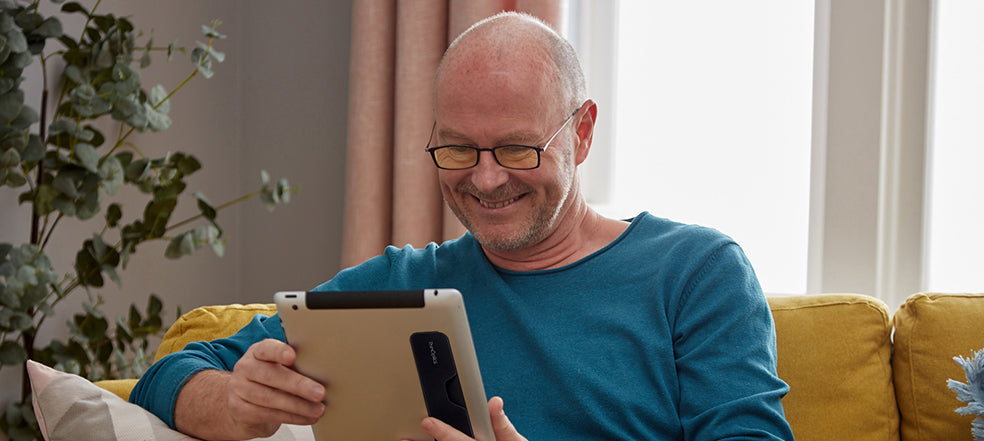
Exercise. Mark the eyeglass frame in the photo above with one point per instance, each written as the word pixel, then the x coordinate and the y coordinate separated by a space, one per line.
pixel 478 157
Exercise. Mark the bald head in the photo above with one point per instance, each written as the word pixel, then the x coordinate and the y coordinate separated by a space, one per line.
pixel 511 42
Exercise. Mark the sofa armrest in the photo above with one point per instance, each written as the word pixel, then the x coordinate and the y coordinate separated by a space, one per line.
pixel 209 323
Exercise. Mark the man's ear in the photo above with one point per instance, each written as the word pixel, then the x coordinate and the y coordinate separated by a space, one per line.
pixel 584 124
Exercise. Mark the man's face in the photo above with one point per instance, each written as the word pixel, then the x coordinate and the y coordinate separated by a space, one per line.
pixel 505 209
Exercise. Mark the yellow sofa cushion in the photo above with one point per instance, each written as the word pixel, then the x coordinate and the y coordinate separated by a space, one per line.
pixel 931 329
pixel 834 352
pixel 209 323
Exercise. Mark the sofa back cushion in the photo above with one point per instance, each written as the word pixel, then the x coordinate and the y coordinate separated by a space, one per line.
pixel 835 354
pixel 209 323
pixel 931 329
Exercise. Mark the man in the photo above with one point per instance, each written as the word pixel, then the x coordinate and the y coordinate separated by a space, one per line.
pixel 589 327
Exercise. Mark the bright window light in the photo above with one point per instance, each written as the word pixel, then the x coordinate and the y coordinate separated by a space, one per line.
pixel 955 262
pixel 713 124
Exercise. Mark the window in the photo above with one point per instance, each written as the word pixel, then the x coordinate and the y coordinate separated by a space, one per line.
pixel 876 141
pixel 956 184
pixel 711 116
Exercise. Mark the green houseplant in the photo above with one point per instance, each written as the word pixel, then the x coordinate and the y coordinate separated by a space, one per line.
pixel 66 169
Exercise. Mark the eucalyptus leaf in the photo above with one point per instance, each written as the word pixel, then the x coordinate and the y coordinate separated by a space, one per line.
pixel 182 245
pixel 67 183
pixel 112 175
pixel 74 7
pixel 20 321
pixel 138 119
pixel 11 352
pixel 89 206
pixel 218 247
pixel 44 199
pixel 88 156
pixel 104 56
pixel 155 119
pixel 87 102
pixel 46 309
pixel 209 31
pixel 26 275
pixel 268 201
pixel 6 314
pixel 8 299
pixel 25 118
pixel 34 151
pixel 283 190
pixel 138 171
pixel 51 27
pixel 12 138
pixel 171 48
pixel 202 62
pixel 15 179
pixel 75 74
pixel 113 215
pixel 10 158
pixel 186 164
pixel 154 306
pixel 8 84
pixel 113 275
pixel 218 56
pixel 10 105
pixel 205 206
pixel 64 205
pixel 16 41
pixel 18 61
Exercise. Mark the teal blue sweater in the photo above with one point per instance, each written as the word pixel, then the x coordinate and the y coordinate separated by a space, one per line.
pixel 662 335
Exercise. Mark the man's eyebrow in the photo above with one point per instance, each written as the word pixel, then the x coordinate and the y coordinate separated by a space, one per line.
pixel 517 138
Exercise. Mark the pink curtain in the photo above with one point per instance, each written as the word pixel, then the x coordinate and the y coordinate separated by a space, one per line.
pixel 392 196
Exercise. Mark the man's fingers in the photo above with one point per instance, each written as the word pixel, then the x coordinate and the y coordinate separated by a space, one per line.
pixel 274 351
pixel 503 428
pixel 269 362
pixel 441 431
pixel 260 396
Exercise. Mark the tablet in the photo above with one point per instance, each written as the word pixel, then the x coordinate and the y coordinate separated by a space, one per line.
pixel 387 360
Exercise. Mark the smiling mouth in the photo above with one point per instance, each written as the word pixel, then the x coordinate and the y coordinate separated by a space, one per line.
pixel 498 204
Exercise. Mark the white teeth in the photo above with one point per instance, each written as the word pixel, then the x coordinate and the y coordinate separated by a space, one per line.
pixel 496 204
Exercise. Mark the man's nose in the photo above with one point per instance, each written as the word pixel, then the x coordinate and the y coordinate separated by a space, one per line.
pixel 488 175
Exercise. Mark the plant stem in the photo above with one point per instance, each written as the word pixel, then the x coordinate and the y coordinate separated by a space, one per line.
pixel 51 231
pixel 217 208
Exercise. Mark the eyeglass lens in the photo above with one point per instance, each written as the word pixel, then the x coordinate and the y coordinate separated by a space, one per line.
pixel 510 156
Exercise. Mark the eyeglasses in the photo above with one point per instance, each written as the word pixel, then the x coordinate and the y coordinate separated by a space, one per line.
pixel 517 157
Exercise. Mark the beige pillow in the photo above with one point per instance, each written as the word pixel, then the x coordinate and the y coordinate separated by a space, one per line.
pixel 70 408
pixel 931 329
pixel 834 352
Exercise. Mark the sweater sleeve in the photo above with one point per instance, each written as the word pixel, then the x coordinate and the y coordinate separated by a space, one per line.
pixel 158 388
pixel 725 349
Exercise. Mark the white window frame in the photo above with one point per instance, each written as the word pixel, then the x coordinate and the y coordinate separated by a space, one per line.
pixel 869 146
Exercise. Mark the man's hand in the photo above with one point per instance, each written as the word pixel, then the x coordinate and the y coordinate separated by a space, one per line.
pixel 262 392
pixel 504 430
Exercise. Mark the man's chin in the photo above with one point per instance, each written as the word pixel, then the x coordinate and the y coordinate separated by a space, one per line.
pixel 504 237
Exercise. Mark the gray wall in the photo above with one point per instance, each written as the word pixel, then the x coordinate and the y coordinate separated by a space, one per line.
pixel 277 103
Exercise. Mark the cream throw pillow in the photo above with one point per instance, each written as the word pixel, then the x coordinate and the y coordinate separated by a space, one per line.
pixel 70 408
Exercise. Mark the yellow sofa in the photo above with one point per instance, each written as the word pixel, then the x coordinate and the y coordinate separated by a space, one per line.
pixel 855 372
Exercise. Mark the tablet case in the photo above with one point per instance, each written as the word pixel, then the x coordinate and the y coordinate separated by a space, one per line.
pixel 388 359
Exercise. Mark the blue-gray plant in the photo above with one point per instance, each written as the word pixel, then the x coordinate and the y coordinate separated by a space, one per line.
pixel 65 168
pixel 971 392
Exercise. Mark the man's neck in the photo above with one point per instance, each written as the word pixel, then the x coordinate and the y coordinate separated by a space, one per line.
pixel 582 232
